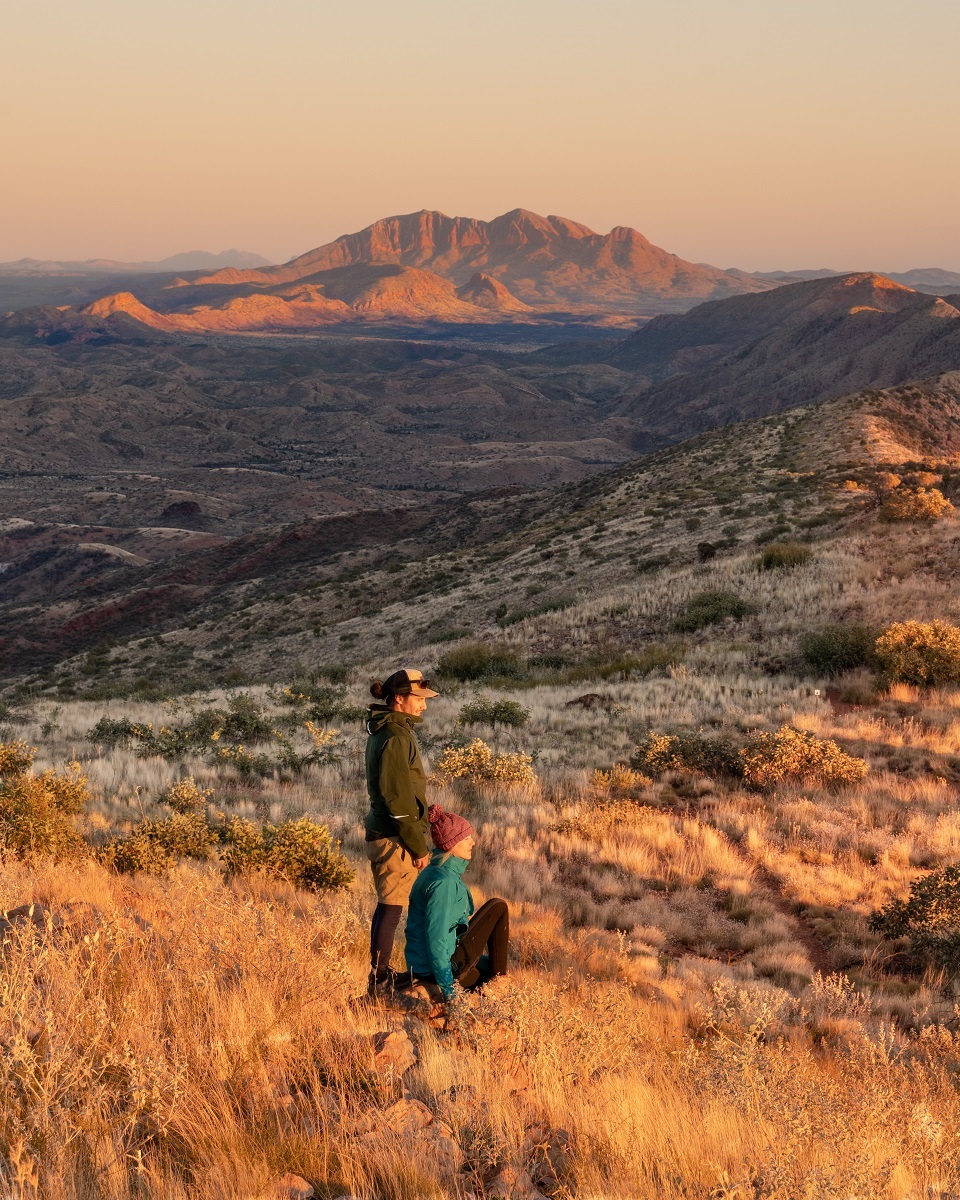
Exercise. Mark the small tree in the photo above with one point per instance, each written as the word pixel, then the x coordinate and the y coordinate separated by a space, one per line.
pixel 486 711
pixel 930 917
pixel 919 652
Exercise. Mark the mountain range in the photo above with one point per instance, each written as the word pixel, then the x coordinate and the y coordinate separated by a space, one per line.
pixel 425 266
pixel 190 260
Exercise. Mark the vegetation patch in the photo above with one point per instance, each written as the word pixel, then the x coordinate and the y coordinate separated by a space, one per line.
pixel 920 652
pixel 478 763
pixel 783 556
pixel 708 608
pixel 38 811
pixel 487 711
pixel 929 918
pixel 838 648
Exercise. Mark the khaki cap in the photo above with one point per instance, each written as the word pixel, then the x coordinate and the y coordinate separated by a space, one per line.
pixel 412 683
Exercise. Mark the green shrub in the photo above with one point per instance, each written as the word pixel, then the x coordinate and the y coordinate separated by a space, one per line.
pixel 304 853
pixel 930 917
pixel 486 711
pixel 476 660
pixel 186 796
pixel 923 653
pixel 797 756
pixel 243 848
pixel 38 812
pixel 838 648
pixel 321 702
pixel 155 845
pixel 109 732
pixel 783 556
pixel 707 608
pixel 660 752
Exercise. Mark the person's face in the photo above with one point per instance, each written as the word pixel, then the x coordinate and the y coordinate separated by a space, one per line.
pixel 413 706
pixel 464 849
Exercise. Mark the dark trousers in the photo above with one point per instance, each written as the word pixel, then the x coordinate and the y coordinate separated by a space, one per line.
pixel 481 949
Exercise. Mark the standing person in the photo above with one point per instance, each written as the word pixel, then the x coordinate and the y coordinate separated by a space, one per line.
pixel 397 823
pixel 446 939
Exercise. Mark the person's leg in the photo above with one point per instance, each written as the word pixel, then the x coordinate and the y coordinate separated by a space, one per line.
pixel 393 876
pixel 487 938
pixel 383 932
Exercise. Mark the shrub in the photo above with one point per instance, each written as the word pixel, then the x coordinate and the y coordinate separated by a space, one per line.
pixel 37 812
pixel 707 608
pixel 797 756
pixel 783 556
pixel 660 752
pixel 243 847
pixel 304 853
pixel 927 654
pixel 620 782
pixel 322 702
pixel 185 796
pixel 916 504
pixel 479 763
pixel 475 660
pixel 485 711
pixel 155 845
pixel 109 732
pixel 930 917
pixel 838 648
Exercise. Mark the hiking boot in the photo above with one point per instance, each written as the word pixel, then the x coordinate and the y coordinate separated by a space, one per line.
pixel 382 984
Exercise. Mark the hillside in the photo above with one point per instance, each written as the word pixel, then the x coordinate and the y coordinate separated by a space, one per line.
pixel 702 941
pixel 752 355
pixel 480 565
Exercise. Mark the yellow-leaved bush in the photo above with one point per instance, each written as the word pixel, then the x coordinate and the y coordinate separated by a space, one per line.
pixel 797 756
pixel 38 811
pixel 921 652
pixel 478 762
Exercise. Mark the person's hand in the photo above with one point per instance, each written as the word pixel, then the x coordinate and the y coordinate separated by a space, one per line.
pixel 420 863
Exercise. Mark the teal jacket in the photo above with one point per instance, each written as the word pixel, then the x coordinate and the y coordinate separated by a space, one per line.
pixel 440 910
pixel 396 781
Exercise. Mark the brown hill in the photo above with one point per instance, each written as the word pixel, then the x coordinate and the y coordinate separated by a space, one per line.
pixel 549 263
pixel 753 355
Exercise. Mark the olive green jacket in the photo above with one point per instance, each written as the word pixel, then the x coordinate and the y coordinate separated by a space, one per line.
pixel 396 781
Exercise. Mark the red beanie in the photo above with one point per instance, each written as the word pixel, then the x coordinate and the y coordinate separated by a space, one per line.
pixel 447 828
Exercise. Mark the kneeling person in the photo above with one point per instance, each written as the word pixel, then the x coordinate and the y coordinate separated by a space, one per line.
pixel 446 939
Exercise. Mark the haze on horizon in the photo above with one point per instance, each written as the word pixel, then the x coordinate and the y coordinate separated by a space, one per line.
pixel 742 134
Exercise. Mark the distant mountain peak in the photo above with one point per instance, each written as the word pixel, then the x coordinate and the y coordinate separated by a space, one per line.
pixel 550 265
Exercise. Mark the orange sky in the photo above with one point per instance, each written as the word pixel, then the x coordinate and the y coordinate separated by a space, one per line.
pixel 743 133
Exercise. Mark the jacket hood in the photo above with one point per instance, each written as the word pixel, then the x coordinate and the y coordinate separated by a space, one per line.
pixel 380 718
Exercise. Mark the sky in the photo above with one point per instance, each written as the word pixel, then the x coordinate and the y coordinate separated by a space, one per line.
pixel 760 134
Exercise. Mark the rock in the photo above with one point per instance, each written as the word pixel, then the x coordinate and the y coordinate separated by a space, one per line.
pixel 290 1187
pixel 415 1124
pixel 512 1183
pixel 548 1155
pixel 24 915
pixel 393 1053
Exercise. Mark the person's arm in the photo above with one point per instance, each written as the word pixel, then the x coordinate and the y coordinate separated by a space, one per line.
pixel 441 936
pixel 396 787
